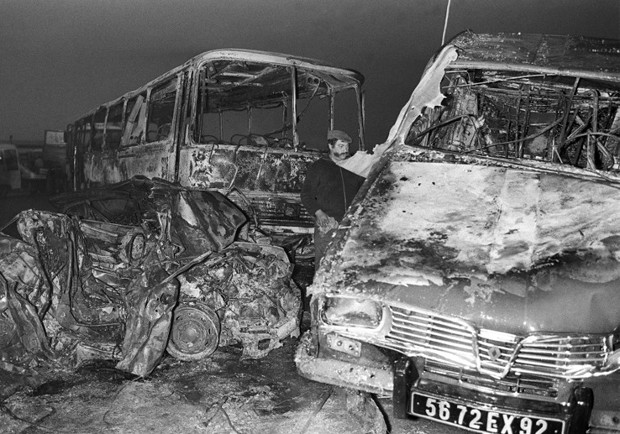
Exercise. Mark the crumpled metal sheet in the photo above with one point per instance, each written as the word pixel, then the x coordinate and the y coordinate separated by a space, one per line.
pixel 250 285
pixel 21 330
pixel 148 323
pixel 20 267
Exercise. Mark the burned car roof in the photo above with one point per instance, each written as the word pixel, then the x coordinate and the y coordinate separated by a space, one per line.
pixel 569 55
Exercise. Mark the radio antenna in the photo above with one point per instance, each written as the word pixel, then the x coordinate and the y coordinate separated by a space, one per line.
pixel 445 24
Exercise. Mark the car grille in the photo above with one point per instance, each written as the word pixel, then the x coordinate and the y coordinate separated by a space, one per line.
pixel 562 354
pixel 431 333
pixel 441 338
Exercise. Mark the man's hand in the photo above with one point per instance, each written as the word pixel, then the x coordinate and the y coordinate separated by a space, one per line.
pixel 325 222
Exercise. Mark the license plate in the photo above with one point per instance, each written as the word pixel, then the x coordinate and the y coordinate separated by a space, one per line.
pixel 481 420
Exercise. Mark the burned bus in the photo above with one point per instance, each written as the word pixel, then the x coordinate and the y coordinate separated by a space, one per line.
pixel 245 123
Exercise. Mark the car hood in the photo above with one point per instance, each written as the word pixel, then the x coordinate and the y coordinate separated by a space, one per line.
pixel 513 248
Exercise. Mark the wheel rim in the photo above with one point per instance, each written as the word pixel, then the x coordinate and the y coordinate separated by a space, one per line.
pixel 195 332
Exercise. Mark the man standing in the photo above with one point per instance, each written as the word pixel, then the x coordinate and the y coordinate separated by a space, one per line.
pixel 328 191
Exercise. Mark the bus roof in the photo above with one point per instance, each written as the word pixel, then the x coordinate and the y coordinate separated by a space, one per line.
pixel 336 77
pixel 567 55
pixel 236 55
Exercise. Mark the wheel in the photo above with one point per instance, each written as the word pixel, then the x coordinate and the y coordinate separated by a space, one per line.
pixel 195 332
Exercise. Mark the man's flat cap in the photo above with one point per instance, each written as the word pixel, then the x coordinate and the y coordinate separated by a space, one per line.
pixel 338 135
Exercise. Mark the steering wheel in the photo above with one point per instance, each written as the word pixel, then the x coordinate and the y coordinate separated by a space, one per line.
pixel 240 139
pixel 283 142
pixel 260 140
pixel 208 138
pixel 251 139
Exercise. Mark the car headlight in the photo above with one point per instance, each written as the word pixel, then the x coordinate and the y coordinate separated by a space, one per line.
pixel 613 361
pixel 353 312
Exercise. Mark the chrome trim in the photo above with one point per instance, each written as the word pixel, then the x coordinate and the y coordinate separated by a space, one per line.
pixel 444 339
pixel 541 389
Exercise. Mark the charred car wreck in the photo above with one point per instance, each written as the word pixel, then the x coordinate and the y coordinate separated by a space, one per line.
pixel 476 277
pixel 138 268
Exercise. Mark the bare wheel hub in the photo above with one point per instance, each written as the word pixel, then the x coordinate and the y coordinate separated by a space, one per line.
pixel 195 332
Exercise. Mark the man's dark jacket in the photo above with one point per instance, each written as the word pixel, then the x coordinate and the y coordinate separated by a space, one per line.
pixel 329 187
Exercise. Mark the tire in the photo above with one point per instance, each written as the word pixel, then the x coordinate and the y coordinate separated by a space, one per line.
pixel 195 332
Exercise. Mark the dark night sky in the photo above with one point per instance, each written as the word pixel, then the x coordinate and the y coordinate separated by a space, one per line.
pixel 60 58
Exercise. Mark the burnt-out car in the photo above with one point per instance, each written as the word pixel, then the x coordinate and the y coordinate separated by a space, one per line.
pixel 476 276
pixel 133 269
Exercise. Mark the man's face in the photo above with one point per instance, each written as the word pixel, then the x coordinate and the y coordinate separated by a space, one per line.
pixel 339 151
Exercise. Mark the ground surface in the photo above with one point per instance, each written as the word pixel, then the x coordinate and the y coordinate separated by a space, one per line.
pixel 219 395
pixel 222 394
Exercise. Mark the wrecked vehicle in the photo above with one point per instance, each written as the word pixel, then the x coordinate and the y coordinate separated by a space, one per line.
pixel 139 268
pixel 245 123
pixel 476 276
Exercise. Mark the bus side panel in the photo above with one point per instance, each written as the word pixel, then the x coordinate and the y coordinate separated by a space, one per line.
pixel 253 169
pixel 152 161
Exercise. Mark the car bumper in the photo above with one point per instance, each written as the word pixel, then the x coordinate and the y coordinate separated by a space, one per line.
pixel 370 377
pixel 569 415
pixel 399 378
